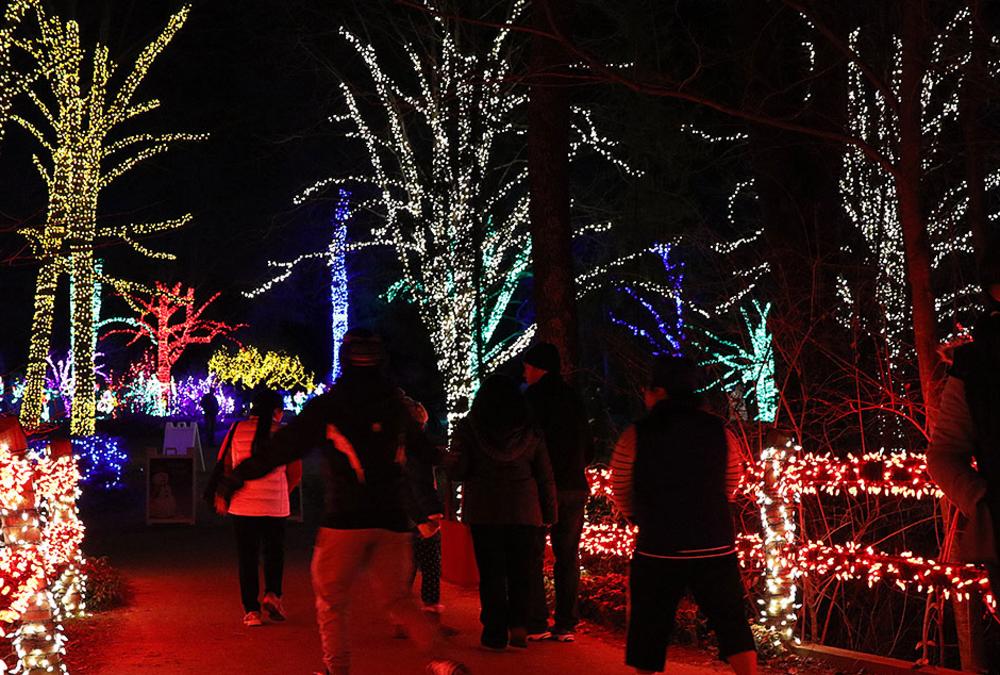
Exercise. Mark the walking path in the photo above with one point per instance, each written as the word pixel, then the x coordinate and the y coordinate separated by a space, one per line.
pixel 185 619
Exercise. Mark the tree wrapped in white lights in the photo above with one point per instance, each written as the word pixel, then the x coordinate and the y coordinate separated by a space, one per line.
pixel 88 152
pixel 449 184
pixel 870 197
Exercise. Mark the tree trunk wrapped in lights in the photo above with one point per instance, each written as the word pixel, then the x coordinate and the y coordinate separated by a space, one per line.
pixel 86 158
pixel 41 542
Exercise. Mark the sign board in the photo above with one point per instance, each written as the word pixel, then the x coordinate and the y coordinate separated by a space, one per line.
pixel 170 491
pixel 182 439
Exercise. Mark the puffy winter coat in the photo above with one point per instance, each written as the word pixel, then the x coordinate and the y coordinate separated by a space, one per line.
pixel 506 481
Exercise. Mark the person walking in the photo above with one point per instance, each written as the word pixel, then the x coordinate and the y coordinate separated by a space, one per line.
pixel 210 407
pixel 508 493
pixel 426 550
pixel 673 474
pixel 366 435
pixel 967 430
pixel 559 412
pixel 258 510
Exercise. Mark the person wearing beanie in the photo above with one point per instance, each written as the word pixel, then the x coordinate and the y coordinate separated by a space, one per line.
pixel 559 412
pixel 962 456
pixel 366 434
pixel 673 475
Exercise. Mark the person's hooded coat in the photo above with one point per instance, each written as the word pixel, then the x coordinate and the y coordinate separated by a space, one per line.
pixel 506 480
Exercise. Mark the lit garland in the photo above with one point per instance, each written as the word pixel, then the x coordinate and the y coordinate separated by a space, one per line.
pixel 172 320
pixel 897 474
pixel 250 368
pixel 454 211
pixel 85 160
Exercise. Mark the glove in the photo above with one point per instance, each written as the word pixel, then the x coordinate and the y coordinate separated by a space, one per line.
pixel 228 485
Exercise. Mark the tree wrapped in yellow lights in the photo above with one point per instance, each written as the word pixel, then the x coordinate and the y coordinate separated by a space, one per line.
pixel 12 80
pixel 249 367
pixel 87 153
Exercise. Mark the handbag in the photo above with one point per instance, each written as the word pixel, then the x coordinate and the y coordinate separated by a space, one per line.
pixel 219 470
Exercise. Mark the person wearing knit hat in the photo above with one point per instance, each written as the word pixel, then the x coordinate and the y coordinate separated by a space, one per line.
pixel 543 356
pixel 367 436
pixel 559 412
pixel 361 348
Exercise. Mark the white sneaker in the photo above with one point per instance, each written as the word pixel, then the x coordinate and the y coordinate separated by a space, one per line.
pixel 252 619
pixel 444 667
pixel 272 605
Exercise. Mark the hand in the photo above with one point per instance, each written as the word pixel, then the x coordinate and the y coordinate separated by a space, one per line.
pixel 220 505
pixel 428 529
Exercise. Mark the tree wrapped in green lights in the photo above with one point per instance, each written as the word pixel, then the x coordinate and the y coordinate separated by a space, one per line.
pixel 87 152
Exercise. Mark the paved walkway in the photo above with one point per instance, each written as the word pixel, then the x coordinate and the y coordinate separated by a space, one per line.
pixel 185 619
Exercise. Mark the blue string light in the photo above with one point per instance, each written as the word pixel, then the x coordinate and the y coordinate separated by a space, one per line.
pixel 102 461
pixel 339 303
pixel 668 338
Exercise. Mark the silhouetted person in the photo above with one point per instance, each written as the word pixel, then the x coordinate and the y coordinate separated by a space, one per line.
pixel 558 411
pixel 366 433
pixel 259 509
pixel 508 494
pixel 967 429
pixel 673 474
pixel 210 407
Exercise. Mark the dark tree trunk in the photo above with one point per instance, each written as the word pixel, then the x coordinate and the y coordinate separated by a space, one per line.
pixel 548 172
pixel 796 179
pixel 915 239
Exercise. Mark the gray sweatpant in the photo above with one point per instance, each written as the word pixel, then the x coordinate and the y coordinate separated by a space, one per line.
pixel 339 557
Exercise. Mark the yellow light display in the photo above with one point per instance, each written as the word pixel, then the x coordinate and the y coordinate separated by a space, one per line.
pixel 85 158
pixel 12 80
pixel 250 368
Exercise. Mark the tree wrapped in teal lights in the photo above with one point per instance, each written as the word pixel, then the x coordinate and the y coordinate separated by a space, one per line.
pixel 748 370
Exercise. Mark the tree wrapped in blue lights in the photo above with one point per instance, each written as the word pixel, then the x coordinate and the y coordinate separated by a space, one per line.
pixel 335 258
pixel 666 337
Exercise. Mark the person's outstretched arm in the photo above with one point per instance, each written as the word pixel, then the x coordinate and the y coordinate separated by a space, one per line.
pixel 622 465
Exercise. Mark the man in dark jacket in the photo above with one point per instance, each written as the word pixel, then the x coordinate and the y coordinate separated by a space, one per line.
pixel 559 412
pixel 673 473
pixel 366 432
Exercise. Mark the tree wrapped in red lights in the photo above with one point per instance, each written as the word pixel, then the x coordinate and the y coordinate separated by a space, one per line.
pixel 172 320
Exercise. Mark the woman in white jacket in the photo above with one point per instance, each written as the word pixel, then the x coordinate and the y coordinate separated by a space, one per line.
pixel 259 510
